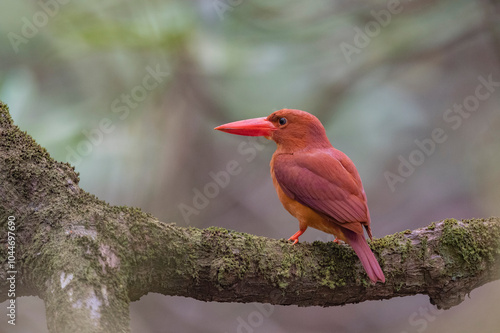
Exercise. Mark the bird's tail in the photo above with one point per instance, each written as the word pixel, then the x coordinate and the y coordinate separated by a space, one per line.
pixel 366 256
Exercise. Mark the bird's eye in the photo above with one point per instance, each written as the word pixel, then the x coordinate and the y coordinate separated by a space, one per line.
pixel 282 121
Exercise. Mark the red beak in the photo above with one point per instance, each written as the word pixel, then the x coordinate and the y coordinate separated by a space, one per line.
pixel 249 127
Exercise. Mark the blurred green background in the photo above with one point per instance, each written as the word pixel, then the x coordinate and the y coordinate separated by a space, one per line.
pixel 129 93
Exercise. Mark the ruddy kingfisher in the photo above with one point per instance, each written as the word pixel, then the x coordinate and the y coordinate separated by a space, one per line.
pixel 316 183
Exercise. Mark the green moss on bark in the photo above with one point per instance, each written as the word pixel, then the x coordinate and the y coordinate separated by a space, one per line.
pixel 74 249
pixel 467 246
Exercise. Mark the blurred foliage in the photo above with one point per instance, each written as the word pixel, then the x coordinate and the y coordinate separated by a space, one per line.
pixel 230 60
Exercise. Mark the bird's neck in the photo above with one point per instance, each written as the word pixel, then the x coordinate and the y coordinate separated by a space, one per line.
pixel 292 146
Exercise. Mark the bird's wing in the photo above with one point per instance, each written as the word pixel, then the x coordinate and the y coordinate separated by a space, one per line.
pixel 327 181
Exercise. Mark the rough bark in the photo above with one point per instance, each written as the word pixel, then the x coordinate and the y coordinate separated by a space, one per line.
pixel 88 260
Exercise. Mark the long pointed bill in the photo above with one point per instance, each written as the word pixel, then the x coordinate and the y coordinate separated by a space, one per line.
pixel 249 127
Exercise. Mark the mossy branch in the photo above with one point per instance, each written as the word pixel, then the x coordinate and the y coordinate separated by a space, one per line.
pixel 87 260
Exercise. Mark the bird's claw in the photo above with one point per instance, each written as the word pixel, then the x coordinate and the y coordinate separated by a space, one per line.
pixel 296 236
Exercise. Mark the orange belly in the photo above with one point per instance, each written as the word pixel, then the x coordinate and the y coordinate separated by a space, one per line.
pixel 306 216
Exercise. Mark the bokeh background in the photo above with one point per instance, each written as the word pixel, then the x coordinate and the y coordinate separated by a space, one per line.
pixel 129 93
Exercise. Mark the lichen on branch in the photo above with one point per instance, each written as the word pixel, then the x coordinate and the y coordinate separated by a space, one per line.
pixel 87 260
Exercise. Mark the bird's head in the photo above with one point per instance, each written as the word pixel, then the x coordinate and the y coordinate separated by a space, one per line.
pixel 290 129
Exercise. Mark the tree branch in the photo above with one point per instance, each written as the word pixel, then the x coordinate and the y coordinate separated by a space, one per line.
pixel 87 260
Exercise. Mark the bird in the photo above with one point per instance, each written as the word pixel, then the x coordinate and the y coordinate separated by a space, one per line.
pixel 316 183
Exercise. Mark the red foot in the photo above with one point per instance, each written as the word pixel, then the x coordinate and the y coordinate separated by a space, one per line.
pixel 296 236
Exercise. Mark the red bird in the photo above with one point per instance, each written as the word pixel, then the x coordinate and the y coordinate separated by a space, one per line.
pixel 316 183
